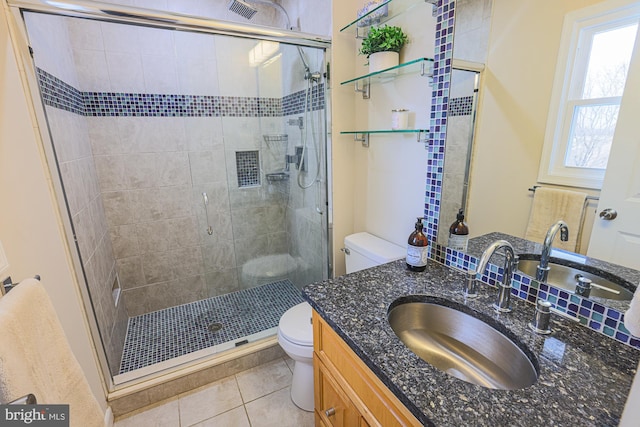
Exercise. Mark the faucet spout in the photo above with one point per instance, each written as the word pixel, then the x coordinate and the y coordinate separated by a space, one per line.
pixel 510 262
pixel 542 271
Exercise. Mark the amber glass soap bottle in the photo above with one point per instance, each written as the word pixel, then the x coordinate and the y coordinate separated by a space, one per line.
pixel 417 249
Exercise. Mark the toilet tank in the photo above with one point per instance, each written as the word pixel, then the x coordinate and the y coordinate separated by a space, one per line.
pixel 365 250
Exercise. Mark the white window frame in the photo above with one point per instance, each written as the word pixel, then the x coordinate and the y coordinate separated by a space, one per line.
pixel 579 24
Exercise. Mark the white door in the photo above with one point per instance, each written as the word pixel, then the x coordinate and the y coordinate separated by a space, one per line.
pixel 618 240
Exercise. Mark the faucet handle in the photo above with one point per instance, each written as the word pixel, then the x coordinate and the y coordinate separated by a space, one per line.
pixel 583 286
pixel 471 285
pixel 540 322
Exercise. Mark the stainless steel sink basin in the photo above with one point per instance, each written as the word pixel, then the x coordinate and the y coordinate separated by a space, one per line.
pixel 564 277
pixel 460 344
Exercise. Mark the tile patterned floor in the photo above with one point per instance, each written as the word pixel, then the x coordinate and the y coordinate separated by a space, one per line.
pixel 176 331
pixel 258 397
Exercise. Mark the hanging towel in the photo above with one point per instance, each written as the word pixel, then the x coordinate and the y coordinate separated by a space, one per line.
pixel 632 315
pixel 35 356
pixel 551 205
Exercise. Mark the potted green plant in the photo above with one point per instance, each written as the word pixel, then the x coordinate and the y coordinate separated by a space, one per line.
pixel 382 46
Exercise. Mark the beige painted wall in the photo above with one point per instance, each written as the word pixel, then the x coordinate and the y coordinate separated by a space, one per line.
pixel 30 227
pixel 342 146
pixel 512 112
pixel 379 189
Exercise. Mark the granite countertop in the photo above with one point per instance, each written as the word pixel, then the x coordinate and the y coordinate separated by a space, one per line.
pixel 584 377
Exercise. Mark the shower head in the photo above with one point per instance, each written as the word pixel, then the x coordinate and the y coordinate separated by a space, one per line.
pixel 242 8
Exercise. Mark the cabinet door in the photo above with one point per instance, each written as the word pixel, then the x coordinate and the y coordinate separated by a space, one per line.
pixel 368 395
pixel 333 407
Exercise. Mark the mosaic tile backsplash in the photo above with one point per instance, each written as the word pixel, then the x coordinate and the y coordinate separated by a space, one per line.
pixel 59 94
pixel 176 331
pixel 606 320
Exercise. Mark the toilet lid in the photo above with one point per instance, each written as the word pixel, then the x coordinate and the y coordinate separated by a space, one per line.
pixel 295 325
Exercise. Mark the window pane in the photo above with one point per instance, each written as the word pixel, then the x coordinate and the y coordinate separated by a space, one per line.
pixel 608 62
pixel 591 135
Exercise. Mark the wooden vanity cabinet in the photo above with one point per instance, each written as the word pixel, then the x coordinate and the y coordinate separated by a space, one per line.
pixel 347 393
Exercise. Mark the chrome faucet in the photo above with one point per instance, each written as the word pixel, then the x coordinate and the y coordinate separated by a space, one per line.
pixel 542 271
pixel 510 262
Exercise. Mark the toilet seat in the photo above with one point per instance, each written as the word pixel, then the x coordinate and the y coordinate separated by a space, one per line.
pixel 295 325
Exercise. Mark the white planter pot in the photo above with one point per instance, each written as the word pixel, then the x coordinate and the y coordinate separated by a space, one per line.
pixel 383 60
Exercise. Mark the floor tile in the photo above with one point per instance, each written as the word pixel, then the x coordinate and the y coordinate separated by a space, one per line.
pixel 209 401
pixel 175 331
pixel 264 379
pixel 234 418
pixel 290 363
pixel 166 415
pixel 277 410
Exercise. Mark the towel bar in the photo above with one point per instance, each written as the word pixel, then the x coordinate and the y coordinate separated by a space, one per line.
pixel 7 284
pixel 533 190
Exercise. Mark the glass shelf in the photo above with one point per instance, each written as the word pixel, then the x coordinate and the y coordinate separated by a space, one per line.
pixel 395 8
pixel 357 132
pixel 421 64
pixel 363 135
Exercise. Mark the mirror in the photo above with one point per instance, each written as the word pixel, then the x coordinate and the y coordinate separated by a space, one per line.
pixel 519 43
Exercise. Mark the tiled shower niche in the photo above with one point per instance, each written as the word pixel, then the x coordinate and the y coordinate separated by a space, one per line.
pixel 248 168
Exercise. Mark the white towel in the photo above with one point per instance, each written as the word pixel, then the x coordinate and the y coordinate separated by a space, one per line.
pixel 551 205
pixel 632 315
pixel 35 356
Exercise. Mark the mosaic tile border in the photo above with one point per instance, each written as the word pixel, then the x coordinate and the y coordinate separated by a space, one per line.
pixel 605 320
pixel 173 332
pixel 56 93
pixel 442 60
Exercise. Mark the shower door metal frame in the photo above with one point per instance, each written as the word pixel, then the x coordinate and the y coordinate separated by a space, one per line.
pixel 150 18
pixel 167 20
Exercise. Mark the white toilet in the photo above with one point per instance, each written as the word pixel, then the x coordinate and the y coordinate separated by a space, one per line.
pixel 295 333
pixel 364 250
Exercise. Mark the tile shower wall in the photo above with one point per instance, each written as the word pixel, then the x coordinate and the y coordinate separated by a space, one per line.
pixel 50 40
pixel 153 163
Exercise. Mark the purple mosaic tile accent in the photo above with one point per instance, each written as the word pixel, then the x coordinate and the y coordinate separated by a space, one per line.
pixel 56 93
pixel 462 106
pixel 445 15
pixel 593 315
pixel 294 103
pixel 59 94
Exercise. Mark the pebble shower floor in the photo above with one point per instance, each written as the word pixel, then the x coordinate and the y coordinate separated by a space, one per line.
pixel 162 335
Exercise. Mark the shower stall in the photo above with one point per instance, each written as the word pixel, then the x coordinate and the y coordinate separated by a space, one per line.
pixel 193 165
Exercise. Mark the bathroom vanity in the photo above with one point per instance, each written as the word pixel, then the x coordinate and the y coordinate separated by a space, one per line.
pixel 366 376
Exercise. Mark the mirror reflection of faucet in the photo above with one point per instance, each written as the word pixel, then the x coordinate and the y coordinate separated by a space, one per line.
pixel 542 272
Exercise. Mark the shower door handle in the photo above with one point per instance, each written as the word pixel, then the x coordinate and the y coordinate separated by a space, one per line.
pixel 205 199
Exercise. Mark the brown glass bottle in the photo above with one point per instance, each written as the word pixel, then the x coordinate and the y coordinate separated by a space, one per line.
pixel 417 249
pixel 458 233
